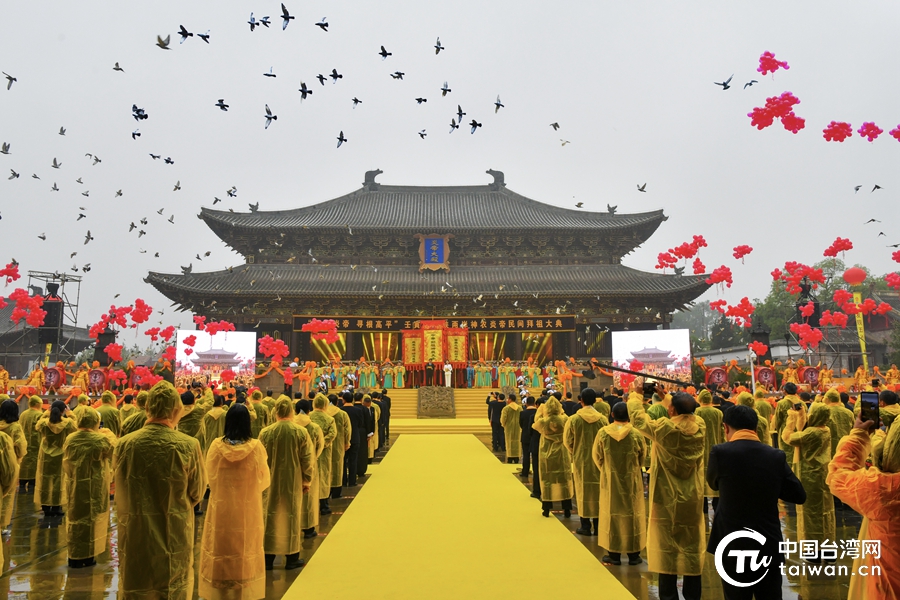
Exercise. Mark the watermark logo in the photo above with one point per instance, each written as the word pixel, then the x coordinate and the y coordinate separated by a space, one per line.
pixel 744 559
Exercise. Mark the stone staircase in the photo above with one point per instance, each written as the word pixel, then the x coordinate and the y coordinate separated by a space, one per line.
pixel 471 413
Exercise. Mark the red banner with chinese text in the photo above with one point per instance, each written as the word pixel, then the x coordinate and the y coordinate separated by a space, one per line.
pixel 413 343
pixel 457 350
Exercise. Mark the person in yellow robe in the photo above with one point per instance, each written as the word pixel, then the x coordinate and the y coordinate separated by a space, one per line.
pixel 232 563
pixel 554 464
pixel 340 445
pixel 715 434
pixel 81 379
pixel 826 378
pixel 263 414
pixel 27 421
pixel 860 378
pixel 9 470
pixel 309 511
pixel 676 534
pixel 36 379
pixel 891 376
pixel 324 462
pixel 138 416
pixel 762 426
pixel 109 414
pixel 289 454
pixel 781 415
pixel 214 425
pixel 810 439
pixel 578 437
pixel 159 476
pixel 87 456
pixel 618 453
pixel 4 380
pixel 840 421
pixel 512 429
pixel 762 407
pixel 789 374
pixel 49 490
pixel 9 424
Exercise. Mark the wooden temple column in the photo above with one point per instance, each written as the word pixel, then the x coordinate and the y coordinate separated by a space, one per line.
pixel 515 353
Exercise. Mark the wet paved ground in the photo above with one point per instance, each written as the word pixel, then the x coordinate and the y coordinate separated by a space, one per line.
pixel 34 558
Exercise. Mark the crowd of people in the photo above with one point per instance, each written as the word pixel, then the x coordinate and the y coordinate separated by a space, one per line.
pixel 744 451
pixel 267 465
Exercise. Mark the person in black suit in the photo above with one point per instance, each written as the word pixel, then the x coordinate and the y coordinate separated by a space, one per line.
pixel 495 407
pixel 368 419
pixel 526 420
pixel 750 477
pixel 570 407
pixel 357 439
pixel 376 399
pixel 429 373
pixel 386 417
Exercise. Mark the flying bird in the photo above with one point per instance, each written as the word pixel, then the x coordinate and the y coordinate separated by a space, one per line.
pixel 118 193
pixel 232 193
pixel 555 126
pixel 285 16
pixel 221 104
pixel 34 176
pixel 445 90
pixel 323 24
pixel 118 68
pixel 871 221
pixel 453 125
pixel 474 125
pixel 270 117
pixel 55 164
pixel 749 83
pixel 321 78
pixel 79 181
pixel 143 221
pixel 216 200
pixel 438 47
pixel 62 131
pixel 141 233
pixel 43 237
pixel 265 22
pixel 184 33
pixel 422 134
pixel 54 188
pixel 579 204
pixel 642 188
pixel 340 138
pixel 304 91
pixel 171 219
pixel 81 216
pixel 563 142
pixel 497 105
pixel 252 22
pixel 177 186
pixel 163 43
pixel 135 134
pixel 335 76
pixel 86 193
pixel 168 160
pixel 4 148
pixel 421 100
pixel 384 53
pixel 131 227
pixel 155 156
pixel 856 188
pixel 397 75
pixel 270 73
pixel 88 237
pixel 10 79
pixel 725 85
pixel 13 174
pixel 204 36
pixel 356 101
pixel 877 187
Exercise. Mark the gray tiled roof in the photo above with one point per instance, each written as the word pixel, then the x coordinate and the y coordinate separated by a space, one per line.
pixel 289 280
pixel 7 326
pixel 433 209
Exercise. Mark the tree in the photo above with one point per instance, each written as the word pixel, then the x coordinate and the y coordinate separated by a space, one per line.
pixel 699 319
pixel 725 334
pixel 895 343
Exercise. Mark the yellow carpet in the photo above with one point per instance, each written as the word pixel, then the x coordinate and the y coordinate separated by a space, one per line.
pixel 442 518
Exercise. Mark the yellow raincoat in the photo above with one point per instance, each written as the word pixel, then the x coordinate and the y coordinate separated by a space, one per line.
pixel 676 535
pixel 49 485
pixel 763 407
pixel 512 429
pixel 232 565
pixel 213 427
pixel 126 410
pixel 781 415
pixel 109 414
pixel 873 492
pixel 87 456
pixel 138 417
pixel 340 444
pixel 323 464
pixel 811 452
pixel 618 453
pixel 309 515
pixel 579 433
pixel 715 434
pixel 554 465
pixel 27 421
pixel 762 425
pixel 291 464
pixel 20 447
pixel 191 423
pixel 263 414
pixel 9 474
pixel 841 420
pixel 160 476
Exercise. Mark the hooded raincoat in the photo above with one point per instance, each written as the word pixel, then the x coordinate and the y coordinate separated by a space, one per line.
pixel 109 414
pixel 676 534
pixel 291 463
pixel 578 437
pixel 232 565
pixel 213 427
pixel 715 434
pixel 323 463
pixel 19 447
pixel 138 416
pixel 9 472
pixel 781 415
pixel 87 460
pixel 340 444
pixel 512 429
pixel 762 425
pixel 263 417
pixel 191 423
pixel 554 464
pixel 160 475
pixel 618 452
pixel 309 516
pixel 841 420
pixel 811 452
pixel 873 492
pixel 49 485
pixel 27 421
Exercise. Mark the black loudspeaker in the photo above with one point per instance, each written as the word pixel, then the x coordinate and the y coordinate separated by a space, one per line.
pixel 48 333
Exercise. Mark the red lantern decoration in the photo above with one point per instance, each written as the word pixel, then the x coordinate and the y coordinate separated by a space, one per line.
pixel 854 276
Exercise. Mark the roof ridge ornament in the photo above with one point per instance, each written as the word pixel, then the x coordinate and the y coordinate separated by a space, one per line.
pixel 369 182
pixel 498 180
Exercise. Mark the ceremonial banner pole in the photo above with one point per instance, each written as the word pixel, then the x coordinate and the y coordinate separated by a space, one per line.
pixel 861 332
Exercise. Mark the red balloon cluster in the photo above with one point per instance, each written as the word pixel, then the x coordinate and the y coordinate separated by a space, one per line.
pixel 144 377
pixel 718 305
pixel 740 252
pixel 838 319
pixel 190 340
pixel 870 131
pixel 837 131
pixel 28 308
pixel 699 267
pixel 288 377
pixel 665 260
pixel 895 133
pixel 188 351
pixel 635 365
pixel 720 275
pixel 116 376
pixel 11 272
pixel 684 251
pixel 275 349
pixel 741 313
pixel 839 245
pixel 794 274
pixel 896 256
pixel 768 63
pixel 167 333
pixel 168 354
pixel 778 107
pixel 776 274
pixel 141 312
pixel 808 337
pixel 758 348
pixel 214 327
pixel 227 375
pixel 114 352
pixel 325 330
pixel 807 310
pixel 199 321
pixel 893 281
pixel 842 296
pixel 153 332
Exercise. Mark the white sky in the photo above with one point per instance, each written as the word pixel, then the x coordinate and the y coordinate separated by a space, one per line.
pixel 631 85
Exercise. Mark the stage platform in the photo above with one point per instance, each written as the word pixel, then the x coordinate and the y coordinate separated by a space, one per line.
pixel 471 413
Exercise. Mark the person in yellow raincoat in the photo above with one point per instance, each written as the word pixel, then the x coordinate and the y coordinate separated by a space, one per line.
pixel 618 452
pixel 138 417
pixel 214 425
pixel 84 401
pixel 840 421
pixel 762 426
pixel 27 421
pixel 763 407
pixel 512 429
pixel 890 407
pixel 263 414
pixel 676 534
pixel 715 434
pixel 9 417
pixel 4 380
pixel 580 431
pixel 87 456
pixel 126 409
pixel 9 469
pixel 309 512
pixel 554 464
pixel 873 492
pixel 232 563
pixel 781 414
pixel 109 414
pixel 159 476
pixel 324 462
pixel 290 455
pixel 340 445
pixel 810 440
pixel 49 490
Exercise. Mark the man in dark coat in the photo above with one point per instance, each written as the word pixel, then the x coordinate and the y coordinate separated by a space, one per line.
pixel 386 416
pixel 526 420
pixel 368 415
pixel 495 407
pixel 569 406
pixel 376 399
pixel 357 439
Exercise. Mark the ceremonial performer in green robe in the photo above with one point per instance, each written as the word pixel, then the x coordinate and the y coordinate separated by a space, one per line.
pixel 578 437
